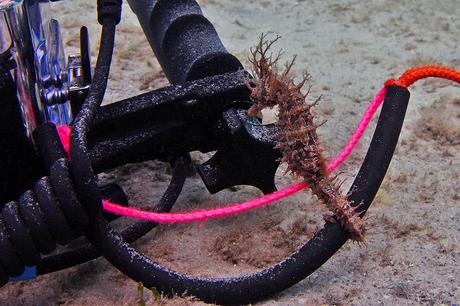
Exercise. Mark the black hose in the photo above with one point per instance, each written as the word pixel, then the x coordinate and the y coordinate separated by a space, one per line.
pixel 75 257
pixel 83 175
pixel 253 287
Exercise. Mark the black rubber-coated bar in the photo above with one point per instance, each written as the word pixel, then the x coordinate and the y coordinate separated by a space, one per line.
pixel 184 41
pixel 252 287
pixel 162 123
pixel 83 175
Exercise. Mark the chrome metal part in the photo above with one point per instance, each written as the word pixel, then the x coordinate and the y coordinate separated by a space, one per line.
pixel 50 63
pixel 41 77
pixel 78 85
pixel 5 39
pixel 76 78
pixel 16 21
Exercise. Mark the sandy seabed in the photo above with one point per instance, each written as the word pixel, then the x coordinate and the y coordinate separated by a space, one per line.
pixel 350 48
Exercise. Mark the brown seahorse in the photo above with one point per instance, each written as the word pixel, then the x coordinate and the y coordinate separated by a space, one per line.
pixel 297 138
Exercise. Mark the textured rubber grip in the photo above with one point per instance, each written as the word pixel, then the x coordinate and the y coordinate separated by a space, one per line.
pixel 184 41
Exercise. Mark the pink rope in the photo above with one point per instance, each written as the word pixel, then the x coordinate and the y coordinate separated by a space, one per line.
pixel 363 123
pixel 64 132
pixel 201 215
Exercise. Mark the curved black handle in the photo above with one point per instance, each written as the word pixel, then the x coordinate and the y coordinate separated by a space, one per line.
pixel 252 287
pixel 184 41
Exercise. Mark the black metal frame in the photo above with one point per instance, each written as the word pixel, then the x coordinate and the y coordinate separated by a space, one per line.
pixel 204 109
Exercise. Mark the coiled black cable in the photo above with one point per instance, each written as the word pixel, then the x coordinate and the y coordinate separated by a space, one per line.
pixel 33 224
pixel 75 257
pixel 84 177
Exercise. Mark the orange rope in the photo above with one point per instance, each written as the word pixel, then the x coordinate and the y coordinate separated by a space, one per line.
pixel 414 74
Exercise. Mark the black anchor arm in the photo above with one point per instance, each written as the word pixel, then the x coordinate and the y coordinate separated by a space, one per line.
pixel 205 115
pixel 247 157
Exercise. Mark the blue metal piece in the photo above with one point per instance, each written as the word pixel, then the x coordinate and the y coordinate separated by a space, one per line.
pixel 41 72
pixel 29 273
pixel 50 63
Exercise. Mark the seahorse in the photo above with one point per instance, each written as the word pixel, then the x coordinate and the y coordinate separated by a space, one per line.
pixel 297 138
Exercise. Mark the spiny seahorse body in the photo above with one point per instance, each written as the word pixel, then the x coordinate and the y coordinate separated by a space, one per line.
pixel 297 138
